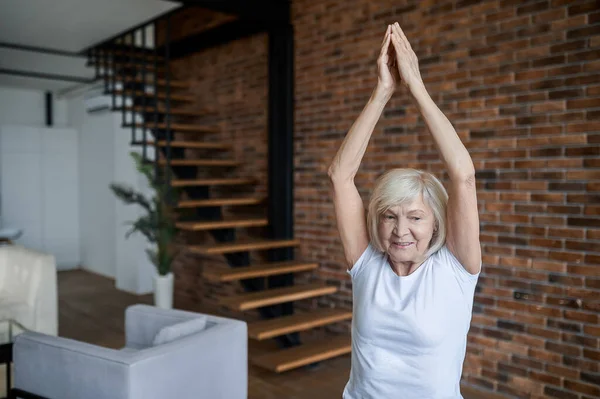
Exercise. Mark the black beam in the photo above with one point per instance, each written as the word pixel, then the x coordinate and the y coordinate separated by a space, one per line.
pixel 49 121
pixel 281 149
pixel 256 10
pixel 36 49
pixel 281 130
pixel 221 34
pixel 49 76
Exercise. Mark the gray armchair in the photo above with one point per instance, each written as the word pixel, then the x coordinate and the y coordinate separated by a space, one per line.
pixel 167 355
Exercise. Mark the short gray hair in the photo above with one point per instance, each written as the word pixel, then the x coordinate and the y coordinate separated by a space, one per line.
pixel 402 185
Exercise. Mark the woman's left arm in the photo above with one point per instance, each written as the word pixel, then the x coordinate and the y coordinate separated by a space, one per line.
pixel 462 215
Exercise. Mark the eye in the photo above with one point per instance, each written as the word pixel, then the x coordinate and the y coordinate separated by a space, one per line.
pixel 416 218
pixel 389 217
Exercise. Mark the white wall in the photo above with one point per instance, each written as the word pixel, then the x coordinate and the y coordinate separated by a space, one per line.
pixel 38 189
pixel 97 207
pixel 34 153
pixel 104 158
pixel 28 108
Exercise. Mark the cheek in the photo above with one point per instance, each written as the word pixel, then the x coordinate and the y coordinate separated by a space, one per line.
pixel 384 231
pixel 424 232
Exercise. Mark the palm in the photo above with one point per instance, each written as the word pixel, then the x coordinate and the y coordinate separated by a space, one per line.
pixel 386 64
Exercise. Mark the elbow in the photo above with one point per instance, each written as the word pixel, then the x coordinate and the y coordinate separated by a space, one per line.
pixel 466 178
pixel 463 173
pixel 335 175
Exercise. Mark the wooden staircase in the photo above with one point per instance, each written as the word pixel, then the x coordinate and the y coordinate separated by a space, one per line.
pixel 208 155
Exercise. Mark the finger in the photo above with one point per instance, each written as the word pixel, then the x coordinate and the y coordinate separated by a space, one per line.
pixel 395 41
pixel 387 33
pixel 386 42
pixel 401 33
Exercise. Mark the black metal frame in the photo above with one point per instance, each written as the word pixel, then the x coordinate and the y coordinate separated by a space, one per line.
pixel 43 75
pixel 21 394
pixel 49 112
pixel 37 49
pixel 6 358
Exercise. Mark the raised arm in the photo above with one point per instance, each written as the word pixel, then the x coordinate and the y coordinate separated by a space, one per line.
pixel 349 208
pixel 462 215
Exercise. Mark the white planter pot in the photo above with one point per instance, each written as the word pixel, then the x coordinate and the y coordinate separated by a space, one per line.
pixel 163 291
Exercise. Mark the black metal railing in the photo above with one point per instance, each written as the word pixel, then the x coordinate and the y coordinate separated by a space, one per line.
pixel 134 69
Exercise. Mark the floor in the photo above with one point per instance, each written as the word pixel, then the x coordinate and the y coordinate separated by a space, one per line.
pixel 91 309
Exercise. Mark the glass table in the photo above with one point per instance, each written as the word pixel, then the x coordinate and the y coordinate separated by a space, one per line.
pixel 9 329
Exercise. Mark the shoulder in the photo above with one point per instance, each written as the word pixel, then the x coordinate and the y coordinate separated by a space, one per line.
pixel 445 258
pixel 370 255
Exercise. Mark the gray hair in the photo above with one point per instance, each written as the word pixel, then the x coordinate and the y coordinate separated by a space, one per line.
pixel 398 186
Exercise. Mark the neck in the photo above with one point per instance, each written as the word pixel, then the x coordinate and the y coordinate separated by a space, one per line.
pixel 404 268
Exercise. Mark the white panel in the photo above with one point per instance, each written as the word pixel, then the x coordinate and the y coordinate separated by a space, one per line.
pixel 21 107
pixel 97 204
pixel 61 213
pixel 20 183
pixel 16 138
pixel 21 187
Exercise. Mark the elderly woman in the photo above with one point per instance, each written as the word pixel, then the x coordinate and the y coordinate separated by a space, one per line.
pixel 415 259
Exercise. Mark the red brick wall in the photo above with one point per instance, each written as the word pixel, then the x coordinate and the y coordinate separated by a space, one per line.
pixel 521 83
pixel 520 80
pixel 232 79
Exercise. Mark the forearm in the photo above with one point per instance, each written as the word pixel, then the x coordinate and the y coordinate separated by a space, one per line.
pixel 454 154
pixel 347 160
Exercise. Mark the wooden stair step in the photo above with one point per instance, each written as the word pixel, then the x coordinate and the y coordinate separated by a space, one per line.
pixel 175 84
pixel 241 246
pixel 213 182
pixel 200 162
pixel 178 127
pixel 264 270
pixel 187 144
pixel 275 296
pixel 265 329
pixel 163 110
pixel 220 202
pixel 222 224
pixel 298 356
pixel 160 96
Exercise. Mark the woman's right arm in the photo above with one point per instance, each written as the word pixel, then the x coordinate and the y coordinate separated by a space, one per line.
pixel 349 208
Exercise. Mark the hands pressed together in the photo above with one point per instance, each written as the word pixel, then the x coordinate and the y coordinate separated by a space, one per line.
pixel 397 62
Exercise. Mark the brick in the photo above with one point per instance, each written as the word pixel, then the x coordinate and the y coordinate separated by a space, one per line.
pixel 549 106
pixel 559 393
pixel 585 222
pixel 582 388
pixel 583 32
pixel 546 378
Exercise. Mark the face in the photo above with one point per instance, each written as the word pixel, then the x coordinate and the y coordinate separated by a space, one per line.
pixel 405 231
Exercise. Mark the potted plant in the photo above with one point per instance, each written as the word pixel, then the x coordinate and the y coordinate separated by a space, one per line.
pixel 157 224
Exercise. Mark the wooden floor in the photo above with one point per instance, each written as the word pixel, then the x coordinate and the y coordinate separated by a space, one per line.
pixel 91 310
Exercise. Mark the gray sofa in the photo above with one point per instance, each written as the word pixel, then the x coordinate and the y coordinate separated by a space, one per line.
pixel 167 355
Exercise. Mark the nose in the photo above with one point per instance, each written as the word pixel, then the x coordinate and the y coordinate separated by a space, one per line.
pixel 400 228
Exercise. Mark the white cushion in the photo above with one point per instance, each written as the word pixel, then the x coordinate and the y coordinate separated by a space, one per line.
pixel 179 330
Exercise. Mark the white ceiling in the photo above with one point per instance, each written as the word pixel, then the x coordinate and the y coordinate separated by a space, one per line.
pixel 68 25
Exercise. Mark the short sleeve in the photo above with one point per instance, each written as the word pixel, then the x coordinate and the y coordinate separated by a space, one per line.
pixel 363 260
pixel 458 269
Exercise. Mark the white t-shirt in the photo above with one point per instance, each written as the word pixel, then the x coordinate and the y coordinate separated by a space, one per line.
pixel 409 333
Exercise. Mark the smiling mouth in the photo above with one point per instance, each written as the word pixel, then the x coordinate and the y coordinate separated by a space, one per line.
pixel 402 244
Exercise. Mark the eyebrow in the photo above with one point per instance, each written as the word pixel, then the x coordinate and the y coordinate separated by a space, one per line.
pixel 418 210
